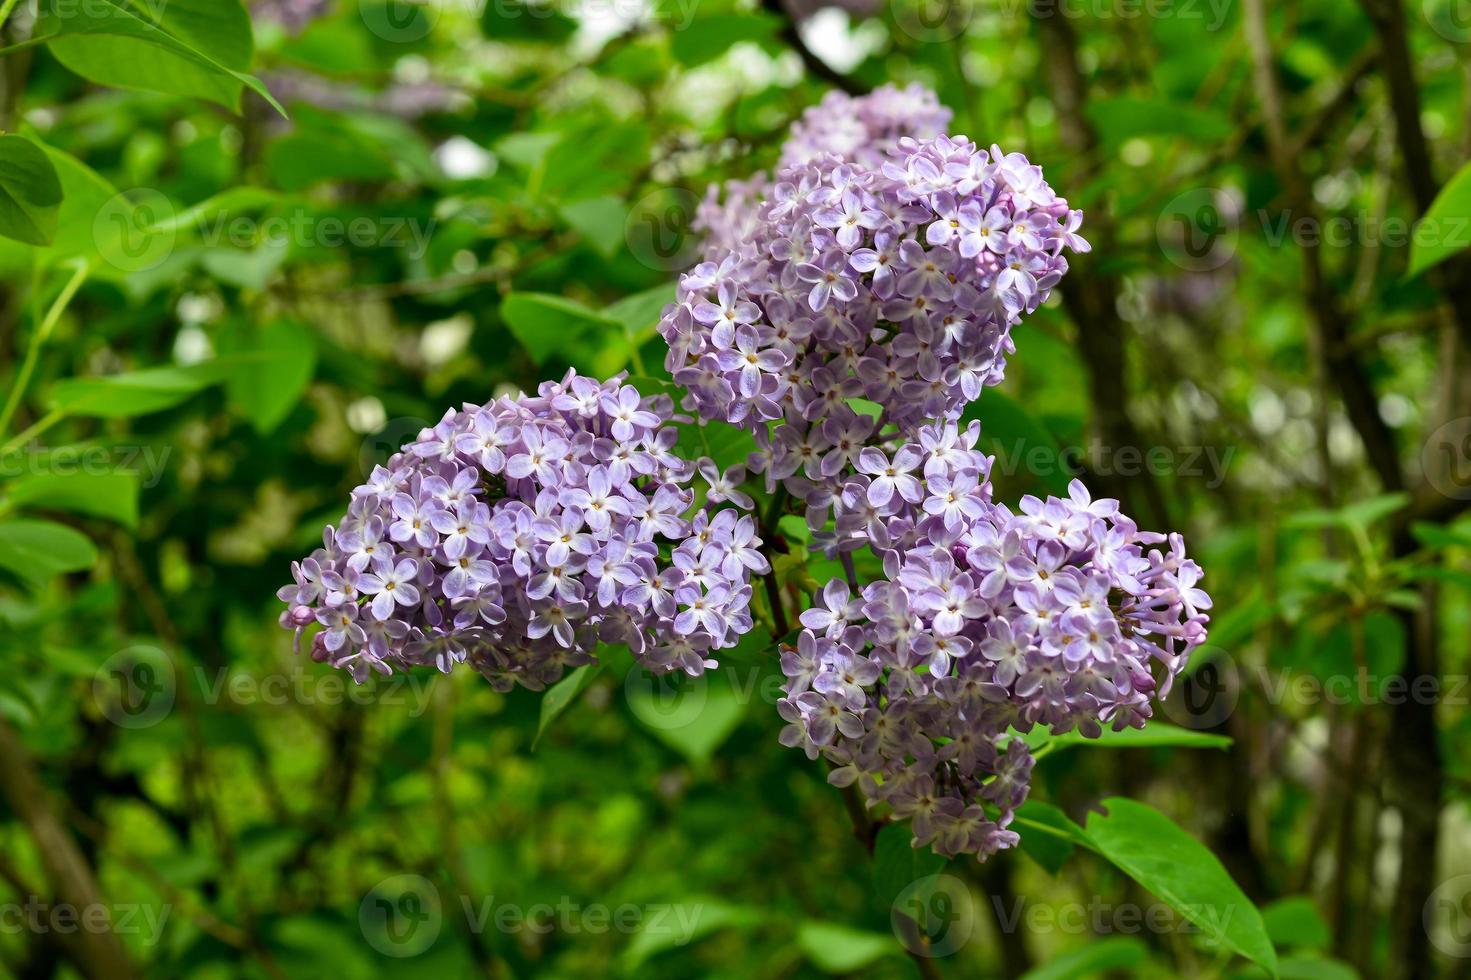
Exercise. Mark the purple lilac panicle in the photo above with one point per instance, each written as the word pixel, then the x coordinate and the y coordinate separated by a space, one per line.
pixel 520 534
pixel 861 129
pixel 897 285
pixel 987 622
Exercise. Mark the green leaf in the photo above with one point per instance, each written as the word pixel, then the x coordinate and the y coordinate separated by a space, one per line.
pixel 235 200
pixel 640 312
pixel 37 551
pixel 30 192
pixel 150 390
pixel 246 268
pixel 1361 514
pixel 1026 452
pixel 1053 841
pixel 725 444
pixel 198 48
pixel 1150 848
pixel 110 495
pixel 897 865
pixel 1307 967
pixel 1441 536
pixel 17 704
pixel 1123 118
pixel 710 37
pixel 1153 734
pixel 689 920
pixel 1295 921
pixel 1445 228
pixel 835 948
pixel 302 159
pixel 516 20
pixel 549 326
pixel 599 220
pixel 267 388
pixel 562 694
pixel 1115 953
pixel 692 715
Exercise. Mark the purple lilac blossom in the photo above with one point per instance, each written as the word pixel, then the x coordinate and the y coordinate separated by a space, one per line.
pixel 520 534
pixel 898 286
pixel 862 129
pixel 294 15
pixel 858 128
pixel 986 624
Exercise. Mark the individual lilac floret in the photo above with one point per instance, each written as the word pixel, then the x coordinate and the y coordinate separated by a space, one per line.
pixel 898 285
pixel 987 622
pixel 520 534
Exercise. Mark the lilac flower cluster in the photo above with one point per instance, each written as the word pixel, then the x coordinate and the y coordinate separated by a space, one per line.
pixel 986 623
pixel 861 129
pixel 896 285
pixel 844 314
pixel 519 535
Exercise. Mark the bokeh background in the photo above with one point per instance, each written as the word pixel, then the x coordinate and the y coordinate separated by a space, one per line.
pixel 469 196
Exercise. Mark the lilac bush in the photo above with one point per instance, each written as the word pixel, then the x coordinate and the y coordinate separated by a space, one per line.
pixel 518 536
pixel 844 314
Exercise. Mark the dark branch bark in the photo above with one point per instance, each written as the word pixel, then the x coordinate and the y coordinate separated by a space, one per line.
pixel 814 65
pixel 1415 772
pixel 1090 293
pixel 1330 320
pixel 96 953
pixel 1453 278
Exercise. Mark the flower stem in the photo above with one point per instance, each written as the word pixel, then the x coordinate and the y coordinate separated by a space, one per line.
pixel 5 11
pixel 43 331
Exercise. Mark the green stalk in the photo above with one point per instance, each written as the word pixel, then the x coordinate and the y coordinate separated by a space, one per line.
pixel 43 332
pixel 5 11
